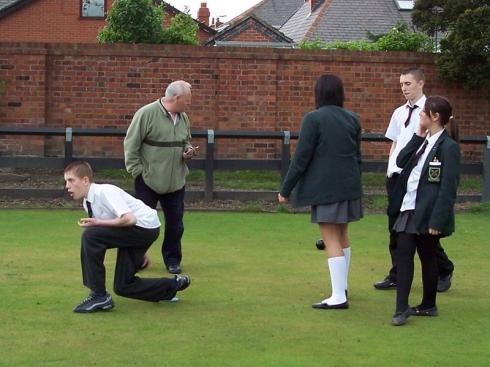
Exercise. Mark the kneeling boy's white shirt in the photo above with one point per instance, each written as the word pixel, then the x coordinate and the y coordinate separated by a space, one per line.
pixel 109 202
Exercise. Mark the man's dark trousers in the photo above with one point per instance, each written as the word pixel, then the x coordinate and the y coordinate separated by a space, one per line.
pixel 173 210
pixel 132 244
pixel 444 265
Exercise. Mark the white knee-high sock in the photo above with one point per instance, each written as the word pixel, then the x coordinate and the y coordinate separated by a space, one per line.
pixel 347 263
pixel 337 268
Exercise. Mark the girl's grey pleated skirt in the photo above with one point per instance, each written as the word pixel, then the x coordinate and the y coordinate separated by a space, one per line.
pixel 340 212
pixel 406 222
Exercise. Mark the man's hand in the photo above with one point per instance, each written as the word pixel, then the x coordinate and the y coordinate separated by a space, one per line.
pixel 282 199
pixel 87 222
pixel 190 152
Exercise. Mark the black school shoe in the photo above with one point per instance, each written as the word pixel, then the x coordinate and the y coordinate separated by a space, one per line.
pixel 326 306
pixel 421 311
pixel 183 281
pixel 95 303
pixel 400 318
pixel 444 283
pixel 386 283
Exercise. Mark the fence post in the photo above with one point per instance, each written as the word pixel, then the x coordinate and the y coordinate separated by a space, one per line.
pixel 209 167
pixel 285 154
pixel 486 173
pixel 68 145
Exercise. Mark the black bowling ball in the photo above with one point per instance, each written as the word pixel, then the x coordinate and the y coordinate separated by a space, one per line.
pixel 320 244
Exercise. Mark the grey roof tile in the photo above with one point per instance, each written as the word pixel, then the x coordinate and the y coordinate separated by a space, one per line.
pixel 277 12
pixel 297 26
pixel 351 19
pixel 5 3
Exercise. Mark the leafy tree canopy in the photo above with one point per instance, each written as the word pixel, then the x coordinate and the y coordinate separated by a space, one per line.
pixel 465 46
pixel 437 15
pixel 141 21
pixel 465 52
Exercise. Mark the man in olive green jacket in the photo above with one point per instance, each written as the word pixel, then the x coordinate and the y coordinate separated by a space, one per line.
pixel 156 146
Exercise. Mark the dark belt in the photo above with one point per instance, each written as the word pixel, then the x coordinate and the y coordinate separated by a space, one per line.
pixel 166 144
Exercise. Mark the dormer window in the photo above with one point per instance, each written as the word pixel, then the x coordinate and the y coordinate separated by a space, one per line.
pixel 404 4
pixel 93 8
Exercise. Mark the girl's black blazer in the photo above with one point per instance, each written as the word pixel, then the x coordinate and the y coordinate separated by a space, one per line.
pixel 434 204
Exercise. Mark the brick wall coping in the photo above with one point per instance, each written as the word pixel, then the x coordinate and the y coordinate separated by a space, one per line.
pixel 147 50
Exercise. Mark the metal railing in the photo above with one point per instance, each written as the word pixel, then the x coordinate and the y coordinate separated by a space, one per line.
pixel 209 163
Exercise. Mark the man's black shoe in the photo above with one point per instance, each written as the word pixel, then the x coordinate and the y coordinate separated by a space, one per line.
pixel 400 318
pixel 444 283
pixel 386 283
pixel 174 269
pixel 421 311
pixel 95 303
pixel 320 244
pixel 183 281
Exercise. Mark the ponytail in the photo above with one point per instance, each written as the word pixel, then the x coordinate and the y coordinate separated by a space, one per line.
pixel 453 129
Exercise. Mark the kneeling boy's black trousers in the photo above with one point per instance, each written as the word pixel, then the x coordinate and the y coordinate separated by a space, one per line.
pixel 131 243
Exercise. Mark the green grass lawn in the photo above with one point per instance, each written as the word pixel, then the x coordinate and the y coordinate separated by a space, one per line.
pixel 254 278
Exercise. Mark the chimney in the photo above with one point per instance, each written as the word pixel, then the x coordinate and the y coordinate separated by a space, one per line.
pixel 203 14
pixel 218 23
pixel 314 4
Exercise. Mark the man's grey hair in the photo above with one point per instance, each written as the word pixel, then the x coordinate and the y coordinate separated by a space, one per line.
pixel 177 88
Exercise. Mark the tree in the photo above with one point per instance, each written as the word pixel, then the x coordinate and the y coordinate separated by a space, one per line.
pixel 133 21
pixel 182 30
pixel 141 21
pixel 465 49
pixel 432 16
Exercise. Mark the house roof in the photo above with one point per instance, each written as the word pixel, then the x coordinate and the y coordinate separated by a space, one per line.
pixel 351 19
pixel 9 6
pixel 302 21
pixel 331 20
pixel 273 12
pixel 251 21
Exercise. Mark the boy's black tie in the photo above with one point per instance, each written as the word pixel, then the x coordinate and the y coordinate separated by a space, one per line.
pixel 407 121
pixel 89 209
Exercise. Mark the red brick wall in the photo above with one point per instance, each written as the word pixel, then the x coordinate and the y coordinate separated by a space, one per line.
pixel 96 86
pixel 250 35
pixel 57 21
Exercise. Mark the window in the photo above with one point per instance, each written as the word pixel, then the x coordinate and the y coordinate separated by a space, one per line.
pixel 93 8
pixel 404 4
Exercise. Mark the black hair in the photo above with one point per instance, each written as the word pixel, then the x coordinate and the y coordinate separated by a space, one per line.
pixel 329 90
pixel 440 105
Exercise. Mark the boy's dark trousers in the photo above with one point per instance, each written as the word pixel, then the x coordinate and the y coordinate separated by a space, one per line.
pixel 444 265
pixel 173 210
pixel 131 243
